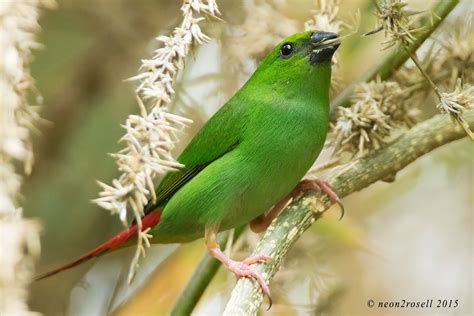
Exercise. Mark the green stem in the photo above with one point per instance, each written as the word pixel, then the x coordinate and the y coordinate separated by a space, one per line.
pixel 398 57
pixel 202 276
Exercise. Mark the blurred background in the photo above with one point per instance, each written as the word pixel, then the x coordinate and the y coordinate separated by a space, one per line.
pixel 411 239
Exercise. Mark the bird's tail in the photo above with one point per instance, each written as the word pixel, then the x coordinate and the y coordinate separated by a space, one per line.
pixel 149 220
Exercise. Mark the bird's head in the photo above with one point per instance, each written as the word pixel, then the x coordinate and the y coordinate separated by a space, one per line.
pixel 302 59
pixel 306 48
pixel 315 47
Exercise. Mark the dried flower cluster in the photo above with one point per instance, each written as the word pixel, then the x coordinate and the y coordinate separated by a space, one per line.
pixel 19 238
pixel 151 136
pixel 325 17
pixel 456 102
pixel 395 20
pixel 455 58
pixel 454 64
pixel 377 108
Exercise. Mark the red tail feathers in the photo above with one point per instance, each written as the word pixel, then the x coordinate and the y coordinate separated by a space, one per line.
pixel 149 220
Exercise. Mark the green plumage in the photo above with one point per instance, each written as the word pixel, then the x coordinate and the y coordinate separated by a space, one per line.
pixel 254 150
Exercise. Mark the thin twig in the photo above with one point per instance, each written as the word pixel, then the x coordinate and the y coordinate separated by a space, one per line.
pixel 246 297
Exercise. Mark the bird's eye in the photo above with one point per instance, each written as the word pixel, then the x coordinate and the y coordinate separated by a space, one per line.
pixel 286 50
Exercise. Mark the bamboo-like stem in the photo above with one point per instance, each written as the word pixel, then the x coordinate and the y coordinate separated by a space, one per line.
pixel 247 297
pixel 398 57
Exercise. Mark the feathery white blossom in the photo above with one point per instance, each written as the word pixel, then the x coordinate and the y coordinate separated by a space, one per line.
pixel 19 238
pixel 264 24
pixel 151 136
pixel 325 17
pixel 395 19
pixel 20 246
pixel 377 108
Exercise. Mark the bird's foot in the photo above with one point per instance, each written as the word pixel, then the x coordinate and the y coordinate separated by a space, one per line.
pixel 262 222
pixel 239 268
pixel 244 269
pixel 325 187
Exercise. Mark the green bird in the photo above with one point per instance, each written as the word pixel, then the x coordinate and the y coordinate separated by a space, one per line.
pixel 248 158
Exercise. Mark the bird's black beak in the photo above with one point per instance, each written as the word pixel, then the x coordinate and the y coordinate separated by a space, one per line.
pixel 320 39
pixel 324 45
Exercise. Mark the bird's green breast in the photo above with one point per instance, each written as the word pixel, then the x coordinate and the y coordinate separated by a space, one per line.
pixel 283 142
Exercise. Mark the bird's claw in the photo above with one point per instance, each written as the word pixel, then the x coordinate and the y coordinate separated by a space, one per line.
pixel 256 259
pixel 243 269
pixel 326 188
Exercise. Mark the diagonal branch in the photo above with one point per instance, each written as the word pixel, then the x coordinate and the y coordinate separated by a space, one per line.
pixel 246 297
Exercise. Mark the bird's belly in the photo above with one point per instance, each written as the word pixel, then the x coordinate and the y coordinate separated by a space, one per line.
pixel 273 179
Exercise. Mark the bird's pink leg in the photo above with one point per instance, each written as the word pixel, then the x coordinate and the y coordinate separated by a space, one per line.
pixel 262 222
pixel 239 268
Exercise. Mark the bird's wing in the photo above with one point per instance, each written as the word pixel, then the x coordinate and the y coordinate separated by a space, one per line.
pixel 220 135
pixel 175 180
